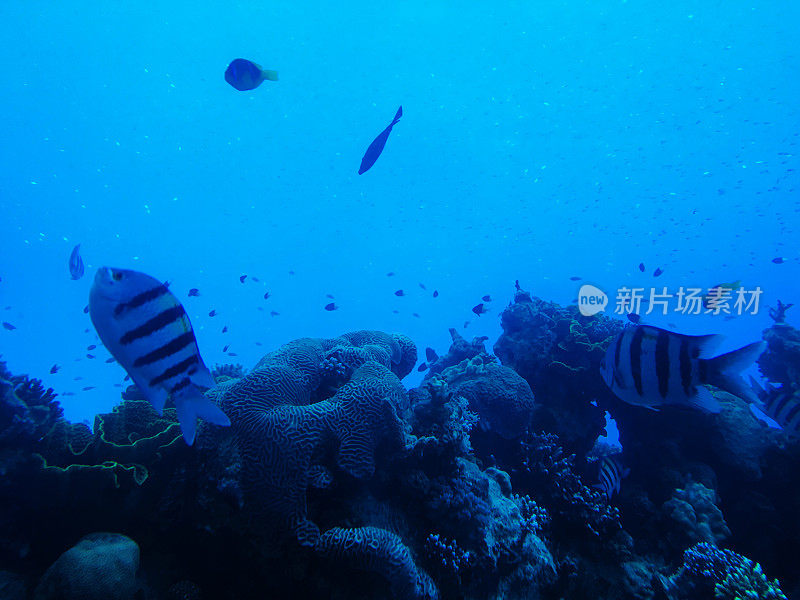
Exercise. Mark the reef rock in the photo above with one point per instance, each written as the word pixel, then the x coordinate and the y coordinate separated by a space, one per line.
pixel 101 566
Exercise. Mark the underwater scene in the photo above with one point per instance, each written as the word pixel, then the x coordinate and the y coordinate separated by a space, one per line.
pixel 400 300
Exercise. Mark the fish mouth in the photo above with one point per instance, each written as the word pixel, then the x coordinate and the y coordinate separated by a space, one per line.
pixel 103 283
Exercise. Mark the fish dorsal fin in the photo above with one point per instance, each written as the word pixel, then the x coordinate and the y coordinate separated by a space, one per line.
pixel 706 345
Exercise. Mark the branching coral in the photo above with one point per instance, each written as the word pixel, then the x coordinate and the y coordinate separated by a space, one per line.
pixel 710 572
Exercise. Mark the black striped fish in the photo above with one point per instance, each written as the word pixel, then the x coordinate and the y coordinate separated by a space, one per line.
pixel 146 329
pixel 652 367
pixel 610 474
pixel 783 406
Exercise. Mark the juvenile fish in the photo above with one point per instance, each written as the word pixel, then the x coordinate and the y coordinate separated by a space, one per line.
pixel 76 263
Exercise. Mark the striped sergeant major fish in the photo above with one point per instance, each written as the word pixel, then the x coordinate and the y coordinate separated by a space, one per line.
pixel 782 405
pixel 610 475
pixel 146 329
pixel 652 367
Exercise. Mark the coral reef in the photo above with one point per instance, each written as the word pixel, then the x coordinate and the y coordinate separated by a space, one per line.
pixel 557 351
pixel 335 481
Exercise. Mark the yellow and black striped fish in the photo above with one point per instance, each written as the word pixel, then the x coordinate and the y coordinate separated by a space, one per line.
pixel 652 367
pixel 146 329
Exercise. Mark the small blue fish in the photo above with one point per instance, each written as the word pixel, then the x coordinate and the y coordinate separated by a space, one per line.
pixel 376 147
pixel 479 309
pixel 76 263
pixel 246 75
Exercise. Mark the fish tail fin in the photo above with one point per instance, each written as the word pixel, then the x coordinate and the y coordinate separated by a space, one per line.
pixel 397 115
pixel 269 75
pixel 724 370
pixel 193 405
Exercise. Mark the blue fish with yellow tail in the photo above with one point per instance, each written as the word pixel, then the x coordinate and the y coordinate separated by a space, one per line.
pixel 246 75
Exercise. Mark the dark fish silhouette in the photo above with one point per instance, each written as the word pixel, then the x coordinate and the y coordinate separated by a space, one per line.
pixel 194 292
pixel 225 349
pixel 435 293
pixel 91 347
pixel 256 279
pixel 54 369
pixel 641 267
pixel 8 326
pixel 86 309
pixel 422 285
pixel 657 272
pixel 779 260
pixel 88 387
pixel 246 75
pixel 390 274
pixel 486 298
pixel 575 278
pixel 90 356
pixel 430 354
pixel 331 306
pixel 479 309
pixel 267 295
pixel 422 367
pixel 329 296
pixel 213 313
pixel 110 360
pixel 225 329
pixel 242 278
pixel 376 147
pixel 273 313
pixel 399 293
pixel 76 263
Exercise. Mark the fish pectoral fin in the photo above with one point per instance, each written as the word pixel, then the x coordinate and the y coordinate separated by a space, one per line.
pixel 705 400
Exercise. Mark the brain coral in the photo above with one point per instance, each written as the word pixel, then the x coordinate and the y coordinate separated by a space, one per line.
pixel 285 425
pixel 101 566
pixel 379 551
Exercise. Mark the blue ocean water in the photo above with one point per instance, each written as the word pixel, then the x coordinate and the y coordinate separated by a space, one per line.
pixel 539 142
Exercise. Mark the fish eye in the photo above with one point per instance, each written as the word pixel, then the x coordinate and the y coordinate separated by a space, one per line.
pixel 116 276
